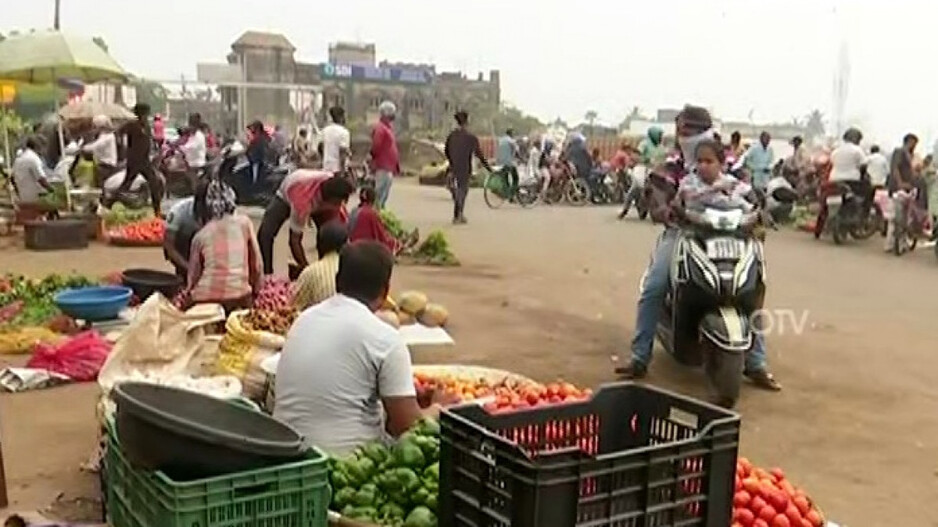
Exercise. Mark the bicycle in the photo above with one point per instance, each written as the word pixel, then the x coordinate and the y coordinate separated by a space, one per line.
pixel 496 189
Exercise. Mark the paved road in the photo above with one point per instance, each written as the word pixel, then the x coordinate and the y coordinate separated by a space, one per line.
pixel 551 291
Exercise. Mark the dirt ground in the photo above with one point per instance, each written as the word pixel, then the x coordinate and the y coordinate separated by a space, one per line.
pixel 551 292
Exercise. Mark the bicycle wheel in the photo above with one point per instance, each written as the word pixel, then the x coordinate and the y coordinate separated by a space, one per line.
pixel 493 190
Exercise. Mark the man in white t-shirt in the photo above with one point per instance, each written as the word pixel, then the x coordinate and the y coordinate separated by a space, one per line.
pixel 877 166
pixel 345 376
pixel 103 148
pixel 847 166
pixel 336 142
pixel 195 149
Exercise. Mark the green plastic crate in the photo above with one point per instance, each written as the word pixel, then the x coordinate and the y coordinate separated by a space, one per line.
pixel 291 495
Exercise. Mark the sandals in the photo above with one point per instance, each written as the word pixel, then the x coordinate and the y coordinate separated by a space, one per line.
pixel 763 379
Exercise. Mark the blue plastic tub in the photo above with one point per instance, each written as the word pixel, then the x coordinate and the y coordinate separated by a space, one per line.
pixel 94 303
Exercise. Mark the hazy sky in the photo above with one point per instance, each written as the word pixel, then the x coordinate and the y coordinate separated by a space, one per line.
pixel 773 58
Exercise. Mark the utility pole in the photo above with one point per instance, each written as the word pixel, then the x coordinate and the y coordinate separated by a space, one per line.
pixel 58 9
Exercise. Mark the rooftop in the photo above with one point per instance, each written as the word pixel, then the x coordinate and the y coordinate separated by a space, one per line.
pixel 260 39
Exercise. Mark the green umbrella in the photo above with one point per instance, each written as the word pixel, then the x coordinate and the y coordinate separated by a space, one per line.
pixel 44 57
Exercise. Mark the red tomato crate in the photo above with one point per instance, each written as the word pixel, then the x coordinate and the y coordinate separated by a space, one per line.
pixel 632 456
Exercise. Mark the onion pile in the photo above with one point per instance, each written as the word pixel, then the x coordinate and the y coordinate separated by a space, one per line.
pixel 276 293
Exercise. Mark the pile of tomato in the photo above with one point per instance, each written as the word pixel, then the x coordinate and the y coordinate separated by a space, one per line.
pixel 765 498
pixel 498 397
pixel 150 230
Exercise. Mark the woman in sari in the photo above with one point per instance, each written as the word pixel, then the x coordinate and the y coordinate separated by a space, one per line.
pixel 224 262
pixel 365 224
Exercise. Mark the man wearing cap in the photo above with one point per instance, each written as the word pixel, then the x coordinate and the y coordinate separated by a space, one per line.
pixel 103 148
pixel 385 158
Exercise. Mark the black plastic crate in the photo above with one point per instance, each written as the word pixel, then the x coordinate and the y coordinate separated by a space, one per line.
pixel 632 456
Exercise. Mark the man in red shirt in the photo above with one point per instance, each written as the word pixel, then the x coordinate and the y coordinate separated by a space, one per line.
pixel 385 159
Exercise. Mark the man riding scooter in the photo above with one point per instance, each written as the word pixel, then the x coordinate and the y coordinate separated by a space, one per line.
pixel 694 126
pixel 652 153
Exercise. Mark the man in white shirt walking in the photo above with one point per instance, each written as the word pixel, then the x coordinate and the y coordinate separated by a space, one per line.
pixel 103 148
pixel 336 142
pixel 195 149
pixel 341 365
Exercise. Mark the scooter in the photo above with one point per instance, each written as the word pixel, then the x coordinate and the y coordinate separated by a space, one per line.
pixel 241 178
pixel 716 279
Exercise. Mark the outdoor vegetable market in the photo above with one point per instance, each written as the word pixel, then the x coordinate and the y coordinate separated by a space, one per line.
pixel 373 291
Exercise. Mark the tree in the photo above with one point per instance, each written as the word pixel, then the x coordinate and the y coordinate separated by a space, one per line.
pixel 814 125
pixel 590 117
pixel 511 117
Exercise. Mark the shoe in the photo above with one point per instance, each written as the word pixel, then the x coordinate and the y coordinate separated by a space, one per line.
pixel 462 220
pixel 624 213
pixel 763 379
pixel 634 370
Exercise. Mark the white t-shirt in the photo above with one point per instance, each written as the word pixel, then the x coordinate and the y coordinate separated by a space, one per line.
pixel 878 168
pixel 27 171
pixel 846 161
pixel 335 137
pixel 196 150
pixel 338 362
pixel 104 149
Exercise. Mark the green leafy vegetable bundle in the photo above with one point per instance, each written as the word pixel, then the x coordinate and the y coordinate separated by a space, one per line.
pixel 35 297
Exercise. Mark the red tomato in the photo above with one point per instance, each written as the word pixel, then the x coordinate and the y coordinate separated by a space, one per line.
pixel 744 516
pixel 768 513
pixel 777 473
pixel 490 408
pixel 742 499
pixel 778 500
pixel 806 523
pixel 752 486
pixel 739 484
pixel 814 517
pixel 744 465
pixel 759 522
pixel 794 515
pixel 802 503
pixel 781 521
pixel 757 504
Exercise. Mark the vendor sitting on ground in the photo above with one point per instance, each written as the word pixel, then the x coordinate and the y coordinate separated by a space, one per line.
pixel 341 364
pixel 365 224
pixel 317 282
pixel 224 264
pixel 182 222
pixel 304 195
pixel 33 191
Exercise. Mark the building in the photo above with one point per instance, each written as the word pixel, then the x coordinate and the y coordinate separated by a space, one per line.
pixel 262 80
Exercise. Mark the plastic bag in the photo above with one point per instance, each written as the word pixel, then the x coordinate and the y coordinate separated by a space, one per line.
pixel 80 358
pixel 241 352
pixel 162 341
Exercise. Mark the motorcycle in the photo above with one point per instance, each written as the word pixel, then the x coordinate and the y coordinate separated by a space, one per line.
pixel 844 211
pixel 241 177
pixel 716 286
pixel 565 185
pixel 606 186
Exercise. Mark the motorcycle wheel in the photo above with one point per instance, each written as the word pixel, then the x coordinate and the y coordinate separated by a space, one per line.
pixel 576 192
pixel 871 226
pixel 837 230
pixel 724 372
pixel 528 195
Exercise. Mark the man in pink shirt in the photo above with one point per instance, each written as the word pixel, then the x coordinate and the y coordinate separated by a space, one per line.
pixel 385 159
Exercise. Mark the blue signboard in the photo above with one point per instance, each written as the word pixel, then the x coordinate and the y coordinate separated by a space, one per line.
pixel 372 73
